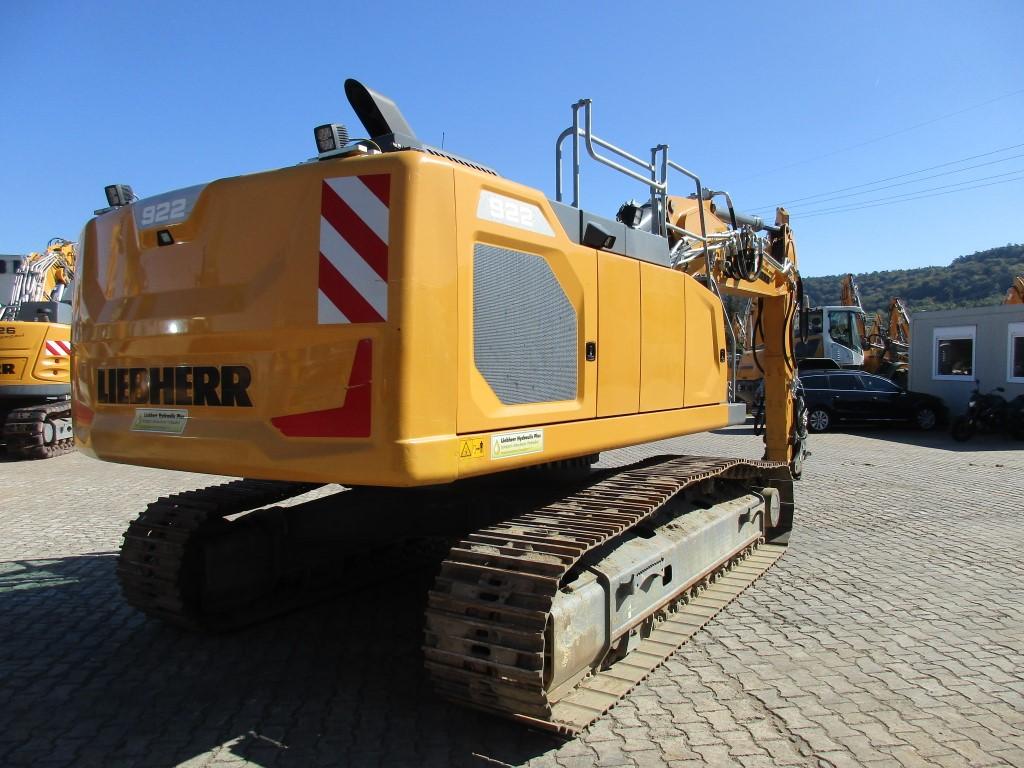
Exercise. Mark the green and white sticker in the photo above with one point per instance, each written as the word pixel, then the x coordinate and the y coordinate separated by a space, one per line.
pixel 169 421
pixel 509 444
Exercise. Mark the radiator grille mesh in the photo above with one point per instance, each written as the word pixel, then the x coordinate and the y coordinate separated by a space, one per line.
pixel 524 328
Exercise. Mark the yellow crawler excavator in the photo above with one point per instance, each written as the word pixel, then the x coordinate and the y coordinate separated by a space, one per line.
pixel 35 356
pixel 454 348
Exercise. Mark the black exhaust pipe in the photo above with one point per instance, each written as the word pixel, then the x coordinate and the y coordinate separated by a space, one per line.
pixel 381 117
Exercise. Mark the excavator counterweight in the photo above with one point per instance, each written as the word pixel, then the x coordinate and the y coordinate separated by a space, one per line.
pixel 455 348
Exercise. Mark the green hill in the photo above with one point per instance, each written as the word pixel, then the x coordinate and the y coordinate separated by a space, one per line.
pixel 970 281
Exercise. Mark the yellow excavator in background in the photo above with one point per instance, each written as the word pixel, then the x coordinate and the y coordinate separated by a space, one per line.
pixel 830 335
pixel 35 356
pixel 456 348
pixel 894 333
pixel 849 296
pixel 1015 295
pixel 886 339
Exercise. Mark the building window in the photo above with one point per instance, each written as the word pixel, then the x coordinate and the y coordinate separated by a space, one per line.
pixel 1015 353
pixel 953 353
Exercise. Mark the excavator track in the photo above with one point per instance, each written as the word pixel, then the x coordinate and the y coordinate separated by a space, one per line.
pixel 487 636
pixel 224 557
pixel 221 558
pixel 161 564
pixel 39 431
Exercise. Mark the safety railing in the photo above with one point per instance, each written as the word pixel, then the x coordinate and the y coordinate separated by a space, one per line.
pixel 654 174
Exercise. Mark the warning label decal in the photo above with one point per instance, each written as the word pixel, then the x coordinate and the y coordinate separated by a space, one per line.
pixel 510 444
pixel 471 449
pixel 167 420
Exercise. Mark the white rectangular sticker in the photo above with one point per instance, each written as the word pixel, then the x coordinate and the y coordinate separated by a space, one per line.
pixel 510 444
pixel 170 421
pixel 514 213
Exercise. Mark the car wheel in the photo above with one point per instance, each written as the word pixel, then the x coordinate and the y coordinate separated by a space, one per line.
pixel 925 418
pixel 818 419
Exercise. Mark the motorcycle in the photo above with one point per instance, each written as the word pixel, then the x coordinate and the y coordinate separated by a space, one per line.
pixel 990 413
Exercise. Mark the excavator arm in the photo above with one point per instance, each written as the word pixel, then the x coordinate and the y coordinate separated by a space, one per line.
pixel 43 276
pixel 1015 295
pixel 899 322
pixel 732 258
pixel 850 297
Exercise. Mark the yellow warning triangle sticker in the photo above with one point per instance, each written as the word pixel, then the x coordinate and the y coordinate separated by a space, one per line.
pixel 466 453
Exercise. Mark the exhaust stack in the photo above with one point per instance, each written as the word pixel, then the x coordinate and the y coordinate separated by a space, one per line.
pixel 381 117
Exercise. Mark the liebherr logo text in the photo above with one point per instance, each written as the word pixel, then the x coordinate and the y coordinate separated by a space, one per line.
pixel 226 385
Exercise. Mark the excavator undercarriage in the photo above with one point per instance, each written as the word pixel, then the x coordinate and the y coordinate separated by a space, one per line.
pixel 547 615
pixel 38 430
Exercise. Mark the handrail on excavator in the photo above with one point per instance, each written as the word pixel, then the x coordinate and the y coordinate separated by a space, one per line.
pixel 656 180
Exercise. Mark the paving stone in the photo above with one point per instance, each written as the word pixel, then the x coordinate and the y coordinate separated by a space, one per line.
pixel 877 640
pixel 648 758
pixel 783 752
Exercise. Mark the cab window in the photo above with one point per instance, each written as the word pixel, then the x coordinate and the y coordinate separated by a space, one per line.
pixel 814 382
pixel 841 329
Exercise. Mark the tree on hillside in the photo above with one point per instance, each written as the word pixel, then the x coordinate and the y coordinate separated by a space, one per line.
pixel 976 279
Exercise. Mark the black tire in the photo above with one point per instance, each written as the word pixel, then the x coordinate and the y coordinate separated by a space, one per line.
pixel 818 419
pixel 925 418
pixel 963 429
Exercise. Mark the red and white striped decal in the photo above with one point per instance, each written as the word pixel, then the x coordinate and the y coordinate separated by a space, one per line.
pixel 353 272
pixel 58 348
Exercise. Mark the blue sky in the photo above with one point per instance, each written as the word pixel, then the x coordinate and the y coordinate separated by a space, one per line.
pixel 773 102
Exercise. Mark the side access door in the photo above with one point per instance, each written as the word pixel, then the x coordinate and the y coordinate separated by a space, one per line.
pixel 527 306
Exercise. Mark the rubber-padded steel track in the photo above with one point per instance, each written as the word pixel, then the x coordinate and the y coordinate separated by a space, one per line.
pixel 484 641
pixel 24 431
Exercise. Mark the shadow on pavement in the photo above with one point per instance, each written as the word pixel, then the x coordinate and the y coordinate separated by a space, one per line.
pixel 87 681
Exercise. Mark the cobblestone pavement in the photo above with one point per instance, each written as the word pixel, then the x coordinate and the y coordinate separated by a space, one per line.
pixel 891 633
